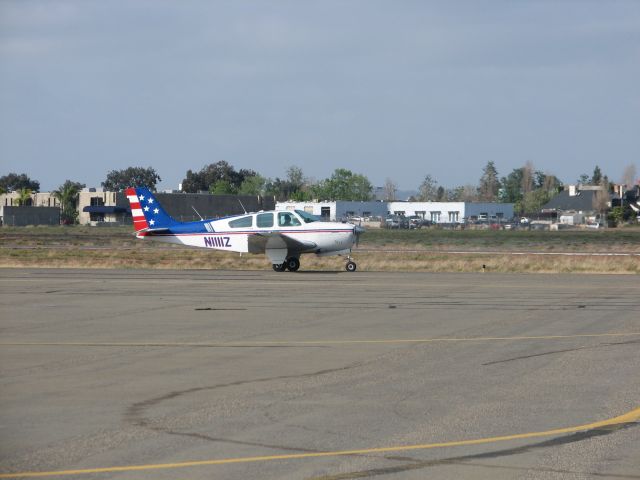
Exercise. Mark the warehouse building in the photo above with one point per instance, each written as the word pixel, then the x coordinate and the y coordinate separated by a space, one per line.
pixel 436 212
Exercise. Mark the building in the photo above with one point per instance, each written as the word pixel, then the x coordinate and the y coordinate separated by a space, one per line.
pixel 578 204
pixel 436 212
pixel 98 207
pixel 42 208
pixel 338 210
pixel 453 212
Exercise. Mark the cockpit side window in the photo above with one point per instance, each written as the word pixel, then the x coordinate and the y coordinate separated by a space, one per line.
pixel 288 219
pixel 241 222
pixel 264 220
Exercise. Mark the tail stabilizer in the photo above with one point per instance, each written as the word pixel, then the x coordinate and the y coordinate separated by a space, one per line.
pixel 146 211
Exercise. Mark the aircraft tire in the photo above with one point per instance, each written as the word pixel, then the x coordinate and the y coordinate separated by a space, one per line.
pixel 350 266
pixel 292 264
pixel 279 267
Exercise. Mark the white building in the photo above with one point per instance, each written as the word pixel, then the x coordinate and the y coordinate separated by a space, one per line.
pixel 338 210
pixel 436 212
pixel 453 212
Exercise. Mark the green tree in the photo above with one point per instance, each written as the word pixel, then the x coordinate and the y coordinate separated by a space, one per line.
pixel 428 190
pixel 253 185
pixel 583 179
pixel 14 182
pixel 489 184
pixel 118 180
pixel 596 178
pixel 24 197
pixel 533 201
pixel 67 194
pixel 344 185
pixel 210 174
pixel 511 187
pixel 222 187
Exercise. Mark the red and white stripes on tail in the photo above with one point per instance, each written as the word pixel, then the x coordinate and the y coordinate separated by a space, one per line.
pixel 139 222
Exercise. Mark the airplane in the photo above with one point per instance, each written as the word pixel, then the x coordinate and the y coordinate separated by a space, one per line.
pixel 282 235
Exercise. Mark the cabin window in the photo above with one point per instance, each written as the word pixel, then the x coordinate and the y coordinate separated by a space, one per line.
pixel 241 222
pixel 264 220
pixel 286 219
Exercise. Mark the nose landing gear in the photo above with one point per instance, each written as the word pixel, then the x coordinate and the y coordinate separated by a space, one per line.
pixel 351 265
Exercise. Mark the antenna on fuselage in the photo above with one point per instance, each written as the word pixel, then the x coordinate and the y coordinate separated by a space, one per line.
pixel 244 209
pixel 197 213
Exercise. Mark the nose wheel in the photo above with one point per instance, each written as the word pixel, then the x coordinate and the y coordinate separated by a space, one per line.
pixel 351 265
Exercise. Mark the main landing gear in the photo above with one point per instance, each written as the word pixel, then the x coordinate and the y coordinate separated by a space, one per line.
pixel 292 264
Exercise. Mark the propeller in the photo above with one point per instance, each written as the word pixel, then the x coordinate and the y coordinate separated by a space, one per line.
pixel 357 231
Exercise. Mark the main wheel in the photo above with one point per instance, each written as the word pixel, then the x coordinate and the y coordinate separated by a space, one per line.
pixel 292 263
pixel 350 266
pixel 279 267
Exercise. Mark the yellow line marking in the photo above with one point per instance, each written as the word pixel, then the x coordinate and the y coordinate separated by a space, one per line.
pixel 632 416
pixel 311 342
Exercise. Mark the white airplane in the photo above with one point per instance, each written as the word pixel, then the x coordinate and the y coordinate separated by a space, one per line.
pixel 283 236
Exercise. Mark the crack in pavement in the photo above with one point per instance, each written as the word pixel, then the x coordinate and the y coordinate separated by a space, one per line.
pixel 552 352
pixel 135 413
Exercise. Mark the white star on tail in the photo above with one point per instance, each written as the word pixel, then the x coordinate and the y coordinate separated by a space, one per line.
pixel 152 222
pixel 155 210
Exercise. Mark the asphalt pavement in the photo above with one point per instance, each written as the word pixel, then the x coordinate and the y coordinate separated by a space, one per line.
pixel 134 374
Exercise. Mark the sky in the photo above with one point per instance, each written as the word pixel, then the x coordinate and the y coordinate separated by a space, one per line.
pixel 390 89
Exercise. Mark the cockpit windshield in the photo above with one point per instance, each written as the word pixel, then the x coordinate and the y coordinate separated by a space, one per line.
pixel 307 217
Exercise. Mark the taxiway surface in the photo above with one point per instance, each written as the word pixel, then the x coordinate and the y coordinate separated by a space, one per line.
pixel 318 375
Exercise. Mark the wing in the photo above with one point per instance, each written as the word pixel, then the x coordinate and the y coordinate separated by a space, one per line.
pixel 261 242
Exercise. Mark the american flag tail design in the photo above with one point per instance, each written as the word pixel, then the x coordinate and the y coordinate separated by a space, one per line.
pixel 146 211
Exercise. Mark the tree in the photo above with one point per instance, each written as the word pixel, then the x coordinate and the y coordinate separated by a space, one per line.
pixel 14 182
pixel 527 178
pixel 344 185
pixel 119 180
pixel 596 178
pixel 441 194
pixel 295 187
pixel 600 201
pixel 629 176
pixel 511 187
pixel 533 201
pixel 210 174
pixel 583 179
pixel 551 183
pixel 489 184
pixel 390 188
pixel 469 193
pixel 253 185
pixel 24 197
pixel 428 190
pixel 222 187
pixel 296 178
pixel 67 194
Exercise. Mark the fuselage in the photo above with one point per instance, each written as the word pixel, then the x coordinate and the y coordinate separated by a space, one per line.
pixel 241 233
